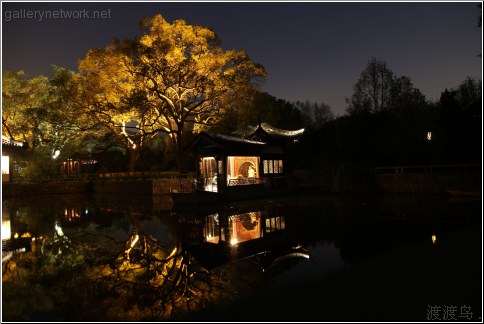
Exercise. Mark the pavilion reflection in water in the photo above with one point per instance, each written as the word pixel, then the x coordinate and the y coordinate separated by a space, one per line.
pixel 225 237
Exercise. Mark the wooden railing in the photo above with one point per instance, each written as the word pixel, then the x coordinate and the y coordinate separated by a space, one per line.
pixel 246 181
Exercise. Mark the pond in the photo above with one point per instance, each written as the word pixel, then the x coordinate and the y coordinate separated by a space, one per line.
pixel 299 258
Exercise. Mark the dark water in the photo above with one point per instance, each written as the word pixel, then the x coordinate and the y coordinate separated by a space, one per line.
pixel 297 258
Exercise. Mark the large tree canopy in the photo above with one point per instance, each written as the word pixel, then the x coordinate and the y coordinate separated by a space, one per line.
pixel 23 99
pixel 40 111
pixel 174 78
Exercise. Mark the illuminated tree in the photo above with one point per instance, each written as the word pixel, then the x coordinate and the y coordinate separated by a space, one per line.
pixel 64 125
pixel 43 112
pixel 175 78
pixel 23 98
pixel 110 93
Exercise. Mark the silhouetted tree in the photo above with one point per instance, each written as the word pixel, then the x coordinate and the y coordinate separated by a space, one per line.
pixel 404 96
pixel 260 107
pixel 379 90
pixel 315 115
pixel 372 91
pixel 461 116
pixel 469 96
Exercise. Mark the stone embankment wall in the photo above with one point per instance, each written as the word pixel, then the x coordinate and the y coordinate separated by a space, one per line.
pixel 44 188
pixel 107 184
pixel 142 186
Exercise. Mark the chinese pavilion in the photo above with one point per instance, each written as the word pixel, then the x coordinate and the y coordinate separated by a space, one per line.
pixel 249 158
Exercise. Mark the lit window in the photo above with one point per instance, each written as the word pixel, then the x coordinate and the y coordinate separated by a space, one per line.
pixel 209 174
pixel 276 166
pixel 242 170
pixel 272 166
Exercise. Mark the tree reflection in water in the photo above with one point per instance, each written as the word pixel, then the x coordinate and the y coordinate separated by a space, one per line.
pixel 120 262
pixel 157 280
pixel 77 277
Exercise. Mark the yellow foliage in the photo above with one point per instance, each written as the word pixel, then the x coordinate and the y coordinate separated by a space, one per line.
pixel 177 76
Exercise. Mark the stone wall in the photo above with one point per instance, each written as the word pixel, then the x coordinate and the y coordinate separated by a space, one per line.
pixel 142 186
pixel 123 186
pixel 44 188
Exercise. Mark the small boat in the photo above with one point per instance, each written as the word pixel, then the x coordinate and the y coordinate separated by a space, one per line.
pixel 464 193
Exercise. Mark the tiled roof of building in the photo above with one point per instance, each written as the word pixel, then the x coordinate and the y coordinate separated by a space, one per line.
pixel 8 141
pixel 270 130
pixel 234 139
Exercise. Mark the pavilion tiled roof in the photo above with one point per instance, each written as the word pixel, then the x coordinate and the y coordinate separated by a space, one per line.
pixel 265 132
pixel 11 142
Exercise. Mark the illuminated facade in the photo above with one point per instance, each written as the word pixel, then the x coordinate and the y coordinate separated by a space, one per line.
pixel 11 151
pixel 249 158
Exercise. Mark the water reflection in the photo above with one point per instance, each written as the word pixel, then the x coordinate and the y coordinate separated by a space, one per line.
pixel 135 264
pixel 89 258
pixel 231 235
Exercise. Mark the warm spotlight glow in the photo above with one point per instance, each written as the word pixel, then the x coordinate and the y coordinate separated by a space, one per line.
pixel 434 238
pixel 233 241
pixel 136 238
pixel 56 154
pixel 429 136
pixel 58 230
pixel 5 164
pixel 6 234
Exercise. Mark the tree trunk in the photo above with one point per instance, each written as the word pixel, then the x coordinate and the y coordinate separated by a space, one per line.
pixel 133 157
pixel 178 141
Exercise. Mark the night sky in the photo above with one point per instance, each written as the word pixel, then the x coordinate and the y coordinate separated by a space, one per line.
pixel 314 51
